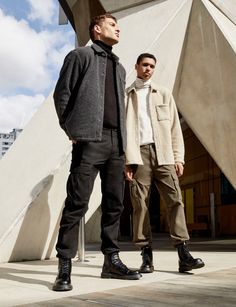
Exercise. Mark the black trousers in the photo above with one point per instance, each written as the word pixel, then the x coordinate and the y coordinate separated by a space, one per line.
pixel 89 158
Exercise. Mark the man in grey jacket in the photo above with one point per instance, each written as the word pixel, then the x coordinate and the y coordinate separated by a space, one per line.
pixel 155 154
pixel 89 100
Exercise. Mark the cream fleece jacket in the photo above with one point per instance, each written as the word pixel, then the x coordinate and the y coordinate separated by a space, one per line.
pixel 167 131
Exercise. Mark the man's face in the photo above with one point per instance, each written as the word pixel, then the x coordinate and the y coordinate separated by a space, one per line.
pixel 145 68
pixel 108 31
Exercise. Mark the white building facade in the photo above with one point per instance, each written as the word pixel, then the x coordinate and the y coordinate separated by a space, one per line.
pixel 7 139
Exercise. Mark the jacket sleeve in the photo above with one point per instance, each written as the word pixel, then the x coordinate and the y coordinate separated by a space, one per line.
pixel 65 84
pixel 176 132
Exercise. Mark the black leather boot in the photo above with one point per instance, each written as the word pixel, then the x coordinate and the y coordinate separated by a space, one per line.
pixel 113 267
pixel 62 282
pixel 186 261
pixel 147 265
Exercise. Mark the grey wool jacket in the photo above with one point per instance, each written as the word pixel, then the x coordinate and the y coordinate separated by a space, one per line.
pixel 79 94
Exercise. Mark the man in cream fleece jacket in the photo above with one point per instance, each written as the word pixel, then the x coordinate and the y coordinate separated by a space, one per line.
pixel 155 154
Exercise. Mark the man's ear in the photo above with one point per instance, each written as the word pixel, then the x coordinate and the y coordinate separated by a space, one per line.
pixel 136 66
pixel 97 29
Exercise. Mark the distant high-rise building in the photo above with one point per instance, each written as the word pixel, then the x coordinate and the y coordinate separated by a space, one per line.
pixel 7 139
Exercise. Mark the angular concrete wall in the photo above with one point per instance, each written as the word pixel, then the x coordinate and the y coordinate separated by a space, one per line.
pixel 158 27
pixel 207 92
pixel 33 177
pixel 27 177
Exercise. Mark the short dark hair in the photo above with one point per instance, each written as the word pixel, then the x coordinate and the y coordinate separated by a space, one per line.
pixel 96 21
pixel 145 55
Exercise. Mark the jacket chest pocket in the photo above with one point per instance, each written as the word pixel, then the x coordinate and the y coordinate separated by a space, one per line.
pixel 163 112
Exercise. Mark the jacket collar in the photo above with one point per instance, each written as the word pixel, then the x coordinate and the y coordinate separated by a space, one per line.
pixel 99 50
pixel 154 87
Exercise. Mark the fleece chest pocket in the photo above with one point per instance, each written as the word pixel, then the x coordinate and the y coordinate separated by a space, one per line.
pixel 163 112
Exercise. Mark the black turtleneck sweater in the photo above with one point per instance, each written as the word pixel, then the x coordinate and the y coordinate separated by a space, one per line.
pixel 110 118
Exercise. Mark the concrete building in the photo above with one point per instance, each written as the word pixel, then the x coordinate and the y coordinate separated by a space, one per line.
pixel 195 44
pixel 7 139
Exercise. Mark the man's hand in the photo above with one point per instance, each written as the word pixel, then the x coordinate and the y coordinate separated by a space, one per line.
pixel 179 168
pixel 128 173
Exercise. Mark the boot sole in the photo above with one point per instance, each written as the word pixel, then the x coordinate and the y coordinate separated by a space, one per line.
pixel 116 276
pixel 151 270
pixel 62 288
pixel 187 269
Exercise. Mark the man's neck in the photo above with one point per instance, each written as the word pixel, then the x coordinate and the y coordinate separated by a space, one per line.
pixel 141 83
pixel 104 46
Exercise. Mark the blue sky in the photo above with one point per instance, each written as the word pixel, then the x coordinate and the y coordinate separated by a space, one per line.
pixel 33 47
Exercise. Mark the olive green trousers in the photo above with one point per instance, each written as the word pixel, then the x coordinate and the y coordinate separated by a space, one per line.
pixel 165 179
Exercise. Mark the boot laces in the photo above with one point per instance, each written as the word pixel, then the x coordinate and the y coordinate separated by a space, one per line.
pixel 65 266
pixel 186 252
pixel 115 259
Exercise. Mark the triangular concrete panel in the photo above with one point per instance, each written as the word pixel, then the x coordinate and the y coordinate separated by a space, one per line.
pixel 150 29
pixel 228 7
pixel 33 177
pixel 28 172
pixel 207 92
pixel 227 27
pixel 114 5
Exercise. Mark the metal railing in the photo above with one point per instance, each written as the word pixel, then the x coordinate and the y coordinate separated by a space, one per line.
pixel 81 242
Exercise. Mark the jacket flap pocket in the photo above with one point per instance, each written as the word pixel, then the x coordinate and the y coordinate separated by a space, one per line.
pixel 163 112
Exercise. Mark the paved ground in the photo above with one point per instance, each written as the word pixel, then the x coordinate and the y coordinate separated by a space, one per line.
pixel 29 283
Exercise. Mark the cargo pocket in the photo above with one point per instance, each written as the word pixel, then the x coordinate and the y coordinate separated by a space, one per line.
pixel 177 187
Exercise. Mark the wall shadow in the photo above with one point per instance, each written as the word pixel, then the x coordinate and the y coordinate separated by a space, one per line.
pixel 32 237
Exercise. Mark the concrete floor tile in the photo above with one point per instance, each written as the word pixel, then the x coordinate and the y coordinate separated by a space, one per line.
pixel 29 283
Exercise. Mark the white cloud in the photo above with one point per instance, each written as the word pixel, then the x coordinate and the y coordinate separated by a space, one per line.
pixel 58 45
pixel 30 60
pixel 16 111
pixel 44 12
pixel 25 55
